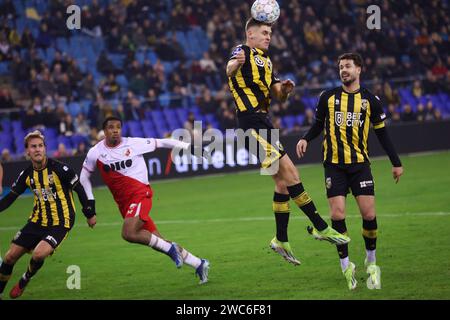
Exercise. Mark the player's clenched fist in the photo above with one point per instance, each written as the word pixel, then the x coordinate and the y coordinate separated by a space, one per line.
pixel 240 57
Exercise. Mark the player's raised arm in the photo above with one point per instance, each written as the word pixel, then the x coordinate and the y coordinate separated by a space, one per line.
pixel 237 60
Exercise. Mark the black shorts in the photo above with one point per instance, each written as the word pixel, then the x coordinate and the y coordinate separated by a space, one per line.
pixel 31 234
pixel 262 141
pixel 339 179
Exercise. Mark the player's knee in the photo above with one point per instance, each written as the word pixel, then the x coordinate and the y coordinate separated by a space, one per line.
pixel 40 255
pixel 368 215
pixel 337 213
pixel 128 235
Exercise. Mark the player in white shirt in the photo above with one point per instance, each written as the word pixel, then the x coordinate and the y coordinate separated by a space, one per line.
pixel 123 169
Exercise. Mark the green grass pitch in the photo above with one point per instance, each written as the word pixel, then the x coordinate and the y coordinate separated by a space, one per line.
pixel 228 219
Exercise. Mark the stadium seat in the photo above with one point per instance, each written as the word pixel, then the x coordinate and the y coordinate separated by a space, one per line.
pixel 67 141
pixel 300 118
pixel 135 129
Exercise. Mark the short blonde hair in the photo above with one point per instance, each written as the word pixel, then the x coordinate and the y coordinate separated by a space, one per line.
pixel 31 135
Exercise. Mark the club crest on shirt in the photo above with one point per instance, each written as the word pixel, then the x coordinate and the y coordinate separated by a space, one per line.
pixel 127 153
pixel 364 104
pixel 269 64
pixel 259 62
pixel 339 117
pixel 50 179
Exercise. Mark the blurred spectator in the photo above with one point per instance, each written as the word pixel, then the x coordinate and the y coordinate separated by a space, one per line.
pixel 408 114
pixel 44 38
pixel 437 115
pixel 206 103
pixel 81 125
pixel 429 111
pixel 61 152
pixel 421 113
pixel 417 89
pixel 87 88
pixel 6 100
pixel 5 49
pixel 66 126
pixel 81 149
pixel 109 87
pixel 309 118
pixel 6 156
pixel 27 40
pixel 104 64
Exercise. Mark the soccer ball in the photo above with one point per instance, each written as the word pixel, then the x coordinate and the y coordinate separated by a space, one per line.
pixel 265 10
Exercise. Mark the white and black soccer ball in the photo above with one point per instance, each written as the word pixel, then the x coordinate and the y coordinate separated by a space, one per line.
pixel 267 11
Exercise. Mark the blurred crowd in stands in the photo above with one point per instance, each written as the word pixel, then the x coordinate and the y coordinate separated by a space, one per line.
pixel 134 57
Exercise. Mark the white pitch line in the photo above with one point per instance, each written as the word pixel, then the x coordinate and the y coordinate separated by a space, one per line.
pixel 250 219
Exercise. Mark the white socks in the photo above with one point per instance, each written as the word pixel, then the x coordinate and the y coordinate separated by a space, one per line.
pixel 371 256
pixel 159 244
pixel 344 263
pixel 190 259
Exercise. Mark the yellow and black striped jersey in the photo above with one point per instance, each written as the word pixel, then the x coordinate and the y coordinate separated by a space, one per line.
pixel 250 86
pixel 52 188
pixel 347 117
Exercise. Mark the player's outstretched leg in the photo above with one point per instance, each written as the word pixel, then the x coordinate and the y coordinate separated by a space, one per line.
pixel 200 265
pixel 321 230
pixel 173 250
pixel 330 235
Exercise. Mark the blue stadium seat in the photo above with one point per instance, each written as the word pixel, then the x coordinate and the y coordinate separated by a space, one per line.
pixel 182 114
pixel 300 118
pixel 135 128
pixel 289 121
pixel 77 139
pixel 4 67
pixel 52 143
pixel 122 81
pixel 67 141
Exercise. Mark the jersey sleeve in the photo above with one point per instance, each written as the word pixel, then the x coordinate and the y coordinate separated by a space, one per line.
pixel 20 185
pixel 67 175
pixel 322 107
pixel 275 79
pixel 91 160
pixel 238 49
pixel 377 115
pixel 143 145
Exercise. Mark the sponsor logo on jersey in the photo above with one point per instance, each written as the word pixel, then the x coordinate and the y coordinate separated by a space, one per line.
pixel 349 119
pixel 117 166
